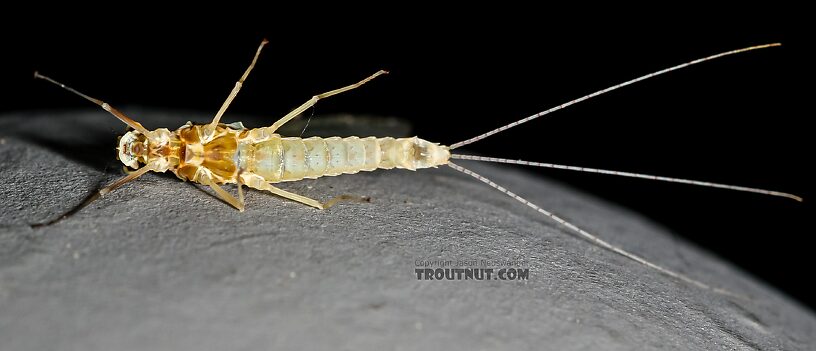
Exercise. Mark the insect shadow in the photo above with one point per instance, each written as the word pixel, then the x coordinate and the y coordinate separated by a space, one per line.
pixel 90 143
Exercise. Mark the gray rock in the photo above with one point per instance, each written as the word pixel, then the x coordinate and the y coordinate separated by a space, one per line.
pixel 160 264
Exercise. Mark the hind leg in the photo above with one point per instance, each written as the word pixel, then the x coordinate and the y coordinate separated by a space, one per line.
pixel 312 202
pixel 311 102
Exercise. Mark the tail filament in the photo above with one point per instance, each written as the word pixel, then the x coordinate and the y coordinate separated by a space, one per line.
pixel 604 91
pixel 592 238
pixel 627 174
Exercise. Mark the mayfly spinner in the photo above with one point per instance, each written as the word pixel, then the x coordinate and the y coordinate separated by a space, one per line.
pixel 214 154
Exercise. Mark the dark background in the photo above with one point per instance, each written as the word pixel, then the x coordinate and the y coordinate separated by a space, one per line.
pixel 739 120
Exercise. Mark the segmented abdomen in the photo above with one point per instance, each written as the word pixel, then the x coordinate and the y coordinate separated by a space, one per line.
pixel 280 159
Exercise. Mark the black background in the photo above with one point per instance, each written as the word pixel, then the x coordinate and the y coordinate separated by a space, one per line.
pixel 454 74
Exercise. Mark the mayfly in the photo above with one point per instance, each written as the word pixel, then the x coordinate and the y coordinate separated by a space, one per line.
pixel 214 154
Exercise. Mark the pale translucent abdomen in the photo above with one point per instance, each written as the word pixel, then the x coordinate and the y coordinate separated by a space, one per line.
pixel 281 159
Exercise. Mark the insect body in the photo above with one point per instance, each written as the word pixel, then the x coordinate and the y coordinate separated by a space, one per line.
pixel 215 153
pixel 259 157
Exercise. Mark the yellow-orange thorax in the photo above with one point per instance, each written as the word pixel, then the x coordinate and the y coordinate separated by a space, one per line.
pixel 216 156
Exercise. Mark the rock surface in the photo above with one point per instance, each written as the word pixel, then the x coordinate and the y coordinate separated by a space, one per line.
pixel 163 265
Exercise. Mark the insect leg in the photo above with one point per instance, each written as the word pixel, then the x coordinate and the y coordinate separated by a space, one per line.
pixel 224 195
pixel 208 131
pixel 306 105
pixel 121 181
pixel 240 186
pixel 93 197
pixel 116 113
pixel 312 202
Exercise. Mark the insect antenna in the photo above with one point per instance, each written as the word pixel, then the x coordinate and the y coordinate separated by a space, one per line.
pixel 592 238
pixel 627 174
pixel 604 91
pixel 116 113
